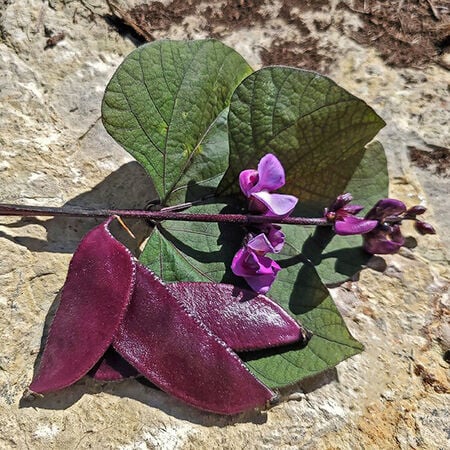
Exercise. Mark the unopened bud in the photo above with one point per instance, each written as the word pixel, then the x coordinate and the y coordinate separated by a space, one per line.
pixel 341 201
pixel 424 227
pixel 416 210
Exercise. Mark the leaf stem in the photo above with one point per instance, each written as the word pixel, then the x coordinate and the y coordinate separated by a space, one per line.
pixel 157 216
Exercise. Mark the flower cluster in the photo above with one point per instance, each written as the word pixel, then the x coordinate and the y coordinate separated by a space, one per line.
pixel 389 213
pixel 251 261
pixel 381 225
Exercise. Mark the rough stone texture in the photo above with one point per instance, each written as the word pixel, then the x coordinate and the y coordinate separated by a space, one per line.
pixel 54 151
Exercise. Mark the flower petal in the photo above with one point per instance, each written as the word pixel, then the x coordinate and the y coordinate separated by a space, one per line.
pixel 271 174
pixel 260 244
pixel 383 242
pixel 247 180
pixel 352 209
pixel 340 202
pixel 262 283
pixel 277 205
pixel 245 263
pixel 354 225
pixel 381 246
pixel 386 207
pixel 276 238
pixel 259 271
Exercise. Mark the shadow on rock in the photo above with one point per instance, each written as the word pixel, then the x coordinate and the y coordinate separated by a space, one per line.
pixel 310 384
pixel 129 187
pixel 144 392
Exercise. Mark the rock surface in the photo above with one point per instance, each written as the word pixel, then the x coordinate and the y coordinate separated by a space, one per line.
pixel 54 151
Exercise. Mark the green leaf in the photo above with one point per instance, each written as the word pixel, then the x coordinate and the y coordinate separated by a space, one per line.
pixel 316 128
pixel 203 251
pixel 338 258
pixel 299 290
pixel 194 251
pixel 166 105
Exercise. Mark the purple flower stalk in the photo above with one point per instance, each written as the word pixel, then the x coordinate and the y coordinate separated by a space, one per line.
pixel 251 261
pixel 342 215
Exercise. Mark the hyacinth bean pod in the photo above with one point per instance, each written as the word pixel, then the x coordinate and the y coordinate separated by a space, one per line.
pixel 181 355
pixel 243 319
pixel 117 320
pixel 112 367
pixel 94 300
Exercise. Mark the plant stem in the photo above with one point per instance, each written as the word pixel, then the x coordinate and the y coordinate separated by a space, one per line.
pixel 243 219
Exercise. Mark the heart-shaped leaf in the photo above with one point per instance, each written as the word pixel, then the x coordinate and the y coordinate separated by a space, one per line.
pixel 166 105
pixel 313 126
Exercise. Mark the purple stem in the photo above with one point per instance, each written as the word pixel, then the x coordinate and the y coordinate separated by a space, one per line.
pixel 244 219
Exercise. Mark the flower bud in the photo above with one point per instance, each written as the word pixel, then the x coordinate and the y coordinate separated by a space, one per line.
pixel 341 201
pixel 416 210
pixel 424 227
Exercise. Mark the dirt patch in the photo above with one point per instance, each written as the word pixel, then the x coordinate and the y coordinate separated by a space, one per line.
pixel 155 16
pixel 381 422
pixel 232 15
pixel 430 380
pixel 407 34
pixel 436 159
pixel 236 14
pixel 145 19
pixel 305 55
pixel 293 17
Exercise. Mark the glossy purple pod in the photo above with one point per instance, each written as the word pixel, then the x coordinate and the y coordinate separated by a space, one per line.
pixel 242 319
pixel 94 300
pixel 181 355
pixel 112 367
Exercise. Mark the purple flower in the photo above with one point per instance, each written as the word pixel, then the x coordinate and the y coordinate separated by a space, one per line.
pixel 258 185
pixel 343 216
pixel 276 237
pixel 269 176
pixel 259 271
pixel 271 240
pixel 251 261
pixel 386 237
